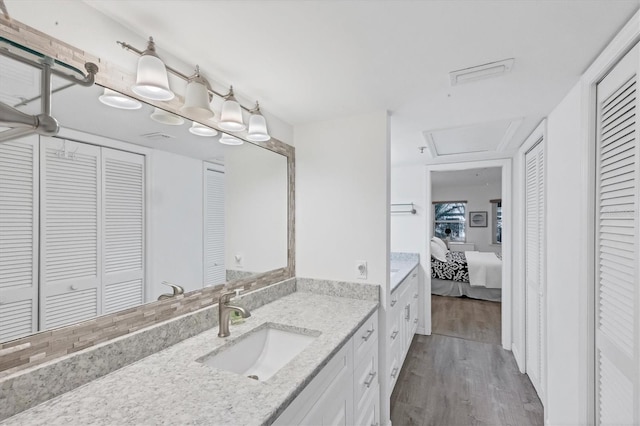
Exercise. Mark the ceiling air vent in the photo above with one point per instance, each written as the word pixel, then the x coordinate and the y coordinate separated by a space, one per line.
pixel 157 136
pixel 492 69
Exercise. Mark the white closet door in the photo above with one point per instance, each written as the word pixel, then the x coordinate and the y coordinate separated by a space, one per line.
pixel 70 268
pixel 122 230
pixel 215 271
pixel 617 337
pixel 534 269
pixel 18 238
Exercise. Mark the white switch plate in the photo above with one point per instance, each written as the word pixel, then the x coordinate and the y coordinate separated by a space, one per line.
pixel 238 259
pixel 361 269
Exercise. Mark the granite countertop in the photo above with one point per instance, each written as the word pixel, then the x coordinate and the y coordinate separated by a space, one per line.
pixel 401 265
pixel 171 387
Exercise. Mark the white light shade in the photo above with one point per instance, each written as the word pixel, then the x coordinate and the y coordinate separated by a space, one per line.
pixel 230 140
pixel 118 100
pixel 152 81
pixel 201 130
pixel 163 117
pixel 196 100
pixel 257 128
pixel 231 115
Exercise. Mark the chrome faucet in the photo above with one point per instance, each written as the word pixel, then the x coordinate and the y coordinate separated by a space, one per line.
pixel 224 311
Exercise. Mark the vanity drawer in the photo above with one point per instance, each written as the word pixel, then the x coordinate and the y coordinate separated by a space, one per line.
pixel 369 414
pixel 365 378
pixel 366 337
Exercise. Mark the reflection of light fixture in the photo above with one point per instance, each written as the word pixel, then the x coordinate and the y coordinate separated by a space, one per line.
pixel 118 100
pixel 196 99
pixel 257 126
pixel 230 140
pixel 201 130
pixel 231 115
pixel 163 117
pixel 152 81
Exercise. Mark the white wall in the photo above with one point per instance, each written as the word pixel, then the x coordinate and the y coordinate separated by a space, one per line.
pixel 408 231
pixel 564 173
pixel 176 222
pixel 256 201
pixel 342 208
pixel 477 197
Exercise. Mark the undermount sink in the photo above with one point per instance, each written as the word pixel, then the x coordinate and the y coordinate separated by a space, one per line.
pixel 261 352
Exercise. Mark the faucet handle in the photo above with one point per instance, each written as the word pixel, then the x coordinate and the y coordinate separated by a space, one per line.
pixel 226 297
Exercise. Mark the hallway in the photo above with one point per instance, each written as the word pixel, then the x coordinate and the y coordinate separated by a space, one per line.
pixel 456 381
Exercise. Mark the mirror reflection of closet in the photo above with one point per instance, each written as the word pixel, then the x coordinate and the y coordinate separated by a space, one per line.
pixel 92 220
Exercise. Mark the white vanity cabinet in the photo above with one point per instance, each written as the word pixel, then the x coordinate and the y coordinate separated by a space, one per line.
pixel 403 323
pixel 346 391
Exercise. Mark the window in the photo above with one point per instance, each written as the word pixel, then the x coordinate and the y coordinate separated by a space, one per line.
pixel 496 214
pixel 450 215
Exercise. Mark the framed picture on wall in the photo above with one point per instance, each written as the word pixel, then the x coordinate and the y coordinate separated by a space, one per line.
pixel 478 219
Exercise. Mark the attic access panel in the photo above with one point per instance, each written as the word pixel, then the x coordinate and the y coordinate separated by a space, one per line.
pixel 491 136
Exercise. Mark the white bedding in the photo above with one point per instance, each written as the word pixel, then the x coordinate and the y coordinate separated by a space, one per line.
pixel 485 269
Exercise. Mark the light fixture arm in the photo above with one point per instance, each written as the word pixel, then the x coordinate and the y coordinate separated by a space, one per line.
pixel 151 50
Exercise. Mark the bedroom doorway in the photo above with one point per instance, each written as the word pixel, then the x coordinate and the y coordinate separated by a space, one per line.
pixel 466 254
pixel 470 211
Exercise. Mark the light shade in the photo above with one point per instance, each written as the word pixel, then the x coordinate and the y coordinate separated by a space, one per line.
pixel 230 140
pixel 257 127
pixel 163 117
pixel 201 130
pixel 231 114
pixel 196 99
pixel 118 100
pixel 152 81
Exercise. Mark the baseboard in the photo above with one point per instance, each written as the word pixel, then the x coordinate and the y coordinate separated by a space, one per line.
pixel 519 360
pixel 422 331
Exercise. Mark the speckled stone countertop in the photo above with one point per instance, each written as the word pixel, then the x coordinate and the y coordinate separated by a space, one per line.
pixel 401 265
pixel 171 387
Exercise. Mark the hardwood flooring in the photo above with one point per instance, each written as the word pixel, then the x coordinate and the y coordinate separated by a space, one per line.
pixel 454 381
pixel 469 319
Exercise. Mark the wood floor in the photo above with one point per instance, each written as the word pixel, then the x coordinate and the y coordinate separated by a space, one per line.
pixel 464 380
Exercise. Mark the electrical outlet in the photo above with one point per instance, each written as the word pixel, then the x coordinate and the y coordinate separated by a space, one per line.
pixel 238 260
pixel 361 269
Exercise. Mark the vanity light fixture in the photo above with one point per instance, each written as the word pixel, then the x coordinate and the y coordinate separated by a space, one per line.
pixel 163 117
pixel 201 130
pixel 231 119
pixel 197 98
pixel 257 126
pixel 118 100
pixel 152 81
pixel 226 139
pixel 231 115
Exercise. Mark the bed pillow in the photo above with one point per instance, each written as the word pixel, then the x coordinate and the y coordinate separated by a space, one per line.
pixel 438 252
pixel 440 243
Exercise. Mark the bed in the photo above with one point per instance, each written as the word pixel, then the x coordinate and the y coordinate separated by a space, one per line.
pixel 474 274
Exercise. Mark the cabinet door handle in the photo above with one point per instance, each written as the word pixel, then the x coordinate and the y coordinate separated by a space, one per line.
pixel 369 333
pixel 415 321
pixel 407 312
pixel 393 303
pixel 369 380
pixel 394 334
pixel 415 296
pixel 394 373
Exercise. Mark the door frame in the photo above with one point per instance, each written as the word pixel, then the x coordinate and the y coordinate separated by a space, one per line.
pixel 507 240
pixel 621 44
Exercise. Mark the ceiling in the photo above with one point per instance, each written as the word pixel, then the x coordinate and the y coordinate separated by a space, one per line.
pixel 309 61
pixel 470 177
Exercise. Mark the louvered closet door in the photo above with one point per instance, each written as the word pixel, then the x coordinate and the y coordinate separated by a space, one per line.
pixel 534 267
pixel 617 354
pixel 18 238
pixel 69 232
pixel 215 272
pixel 122 230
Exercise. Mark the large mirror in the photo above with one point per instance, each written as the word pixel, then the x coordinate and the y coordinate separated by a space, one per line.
pixel 95 219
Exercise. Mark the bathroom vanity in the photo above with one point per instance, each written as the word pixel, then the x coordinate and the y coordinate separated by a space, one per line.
pixel 334 376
